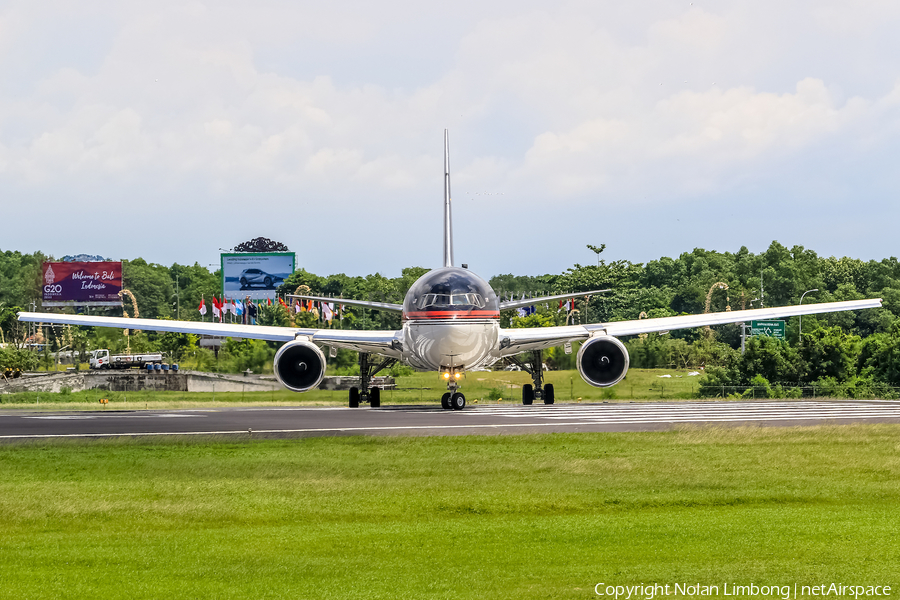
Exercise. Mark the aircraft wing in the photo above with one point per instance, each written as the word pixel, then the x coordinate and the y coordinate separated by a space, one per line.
pixel 513 341
pixel 387 343
pixel 364 303
pixel 530 301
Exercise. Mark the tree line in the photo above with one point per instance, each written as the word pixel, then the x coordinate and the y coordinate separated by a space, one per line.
pixel 845 347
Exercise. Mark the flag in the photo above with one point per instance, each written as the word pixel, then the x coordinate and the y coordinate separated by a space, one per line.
pixel 328 310
pixel 217 308
pixel 238 307
pixel 282 303
pixel 202 308
pixel 269 301
pixel 296 306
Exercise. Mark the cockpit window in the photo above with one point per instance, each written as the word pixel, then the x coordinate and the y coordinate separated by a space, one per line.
pixel 445 300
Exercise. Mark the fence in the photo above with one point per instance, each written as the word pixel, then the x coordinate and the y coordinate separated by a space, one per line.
pixel 880 392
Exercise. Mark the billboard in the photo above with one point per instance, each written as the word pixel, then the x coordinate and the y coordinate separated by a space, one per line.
pixel 82 284
pixel 255 274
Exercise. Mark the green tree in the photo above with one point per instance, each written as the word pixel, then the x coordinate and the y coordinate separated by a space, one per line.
pixel 829 352
pixel 880 356
pixel 151 286
pixel 772 358
pixel 177 345
pixel 193 283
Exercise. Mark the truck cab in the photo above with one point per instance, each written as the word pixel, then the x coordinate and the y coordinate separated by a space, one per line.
pixel 100 359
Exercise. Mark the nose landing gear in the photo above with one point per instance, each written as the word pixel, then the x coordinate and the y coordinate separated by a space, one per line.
pixel 453 399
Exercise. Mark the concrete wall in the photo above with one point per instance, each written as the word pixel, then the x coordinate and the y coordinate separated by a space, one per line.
pixel 345 383
pixel 113 381
pixel 184 381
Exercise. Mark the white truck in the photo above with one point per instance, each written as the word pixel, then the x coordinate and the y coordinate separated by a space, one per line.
pixel 100 359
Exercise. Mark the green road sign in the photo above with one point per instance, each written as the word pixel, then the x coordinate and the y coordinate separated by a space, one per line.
pixel 773 329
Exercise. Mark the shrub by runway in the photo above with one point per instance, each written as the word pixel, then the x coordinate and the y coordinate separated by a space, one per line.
pixel 543 516
pixel 419 388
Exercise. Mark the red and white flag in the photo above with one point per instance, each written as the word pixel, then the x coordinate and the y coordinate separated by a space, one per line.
pixel 202 307
pixel 217 309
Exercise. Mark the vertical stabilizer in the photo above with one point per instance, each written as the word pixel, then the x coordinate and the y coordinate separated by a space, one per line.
pixel 448 220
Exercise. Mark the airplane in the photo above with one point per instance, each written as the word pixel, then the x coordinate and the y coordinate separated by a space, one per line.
pixel 450 324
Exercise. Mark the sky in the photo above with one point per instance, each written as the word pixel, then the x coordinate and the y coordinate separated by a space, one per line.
pixel 171 130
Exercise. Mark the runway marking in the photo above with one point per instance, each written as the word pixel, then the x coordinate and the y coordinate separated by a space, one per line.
pixel 543 416
pixel 322 430
pixel 405 428
pixel 109 416
pixel 696 412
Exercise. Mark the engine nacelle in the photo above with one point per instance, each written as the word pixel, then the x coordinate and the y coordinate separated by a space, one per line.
pixel 299 365
pixel 603 361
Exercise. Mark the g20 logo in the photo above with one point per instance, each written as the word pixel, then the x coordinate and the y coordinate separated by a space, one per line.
pixel 53 289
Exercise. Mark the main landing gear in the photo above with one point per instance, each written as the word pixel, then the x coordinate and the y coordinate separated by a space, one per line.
pixel 368 370
pixel 534 366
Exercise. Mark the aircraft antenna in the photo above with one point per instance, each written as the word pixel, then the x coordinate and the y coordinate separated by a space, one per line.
pixel 448 221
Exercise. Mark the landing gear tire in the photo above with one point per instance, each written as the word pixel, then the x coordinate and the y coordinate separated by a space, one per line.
pixel 548 393
pixel 457 401
pixel 375 397
pixel 354 397
pixel 445 401
pixel 527 394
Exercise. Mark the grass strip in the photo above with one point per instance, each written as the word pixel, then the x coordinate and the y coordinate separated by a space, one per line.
pixel 536 516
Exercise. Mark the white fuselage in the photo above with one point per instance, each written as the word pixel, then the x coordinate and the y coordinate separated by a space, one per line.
pixel 433 345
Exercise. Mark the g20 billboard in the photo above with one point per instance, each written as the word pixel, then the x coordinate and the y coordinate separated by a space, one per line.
pixel 82 284
pixel 255 274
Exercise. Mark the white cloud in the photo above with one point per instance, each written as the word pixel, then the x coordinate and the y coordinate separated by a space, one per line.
pixel 645 101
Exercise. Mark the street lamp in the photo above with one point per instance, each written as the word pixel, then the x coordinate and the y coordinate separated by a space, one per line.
pixel 801 316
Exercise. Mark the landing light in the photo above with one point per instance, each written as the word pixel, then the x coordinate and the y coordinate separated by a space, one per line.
pixel 446 375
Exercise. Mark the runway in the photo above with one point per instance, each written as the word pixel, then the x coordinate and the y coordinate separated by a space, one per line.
pixel 281 422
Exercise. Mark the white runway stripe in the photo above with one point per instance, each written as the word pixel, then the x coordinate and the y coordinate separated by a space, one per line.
pixel 695 411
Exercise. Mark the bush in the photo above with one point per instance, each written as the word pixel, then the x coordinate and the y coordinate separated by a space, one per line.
pixel 398 369
pixel 859 388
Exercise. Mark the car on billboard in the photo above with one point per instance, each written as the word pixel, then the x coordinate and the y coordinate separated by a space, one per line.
pixel 251 277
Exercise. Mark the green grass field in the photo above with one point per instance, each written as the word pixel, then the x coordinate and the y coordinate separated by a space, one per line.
pixel 538 516
pixel 640 384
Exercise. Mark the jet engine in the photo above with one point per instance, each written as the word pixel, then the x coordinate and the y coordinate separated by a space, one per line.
pixel 603 361
pixel 299 365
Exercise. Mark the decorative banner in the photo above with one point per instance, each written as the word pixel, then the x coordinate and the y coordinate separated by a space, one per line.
pixel 255 274
pixel 82 284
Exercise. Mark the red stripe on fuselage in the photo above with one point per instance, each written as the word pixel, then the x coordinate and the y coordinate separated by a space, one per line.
pixel 451 314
